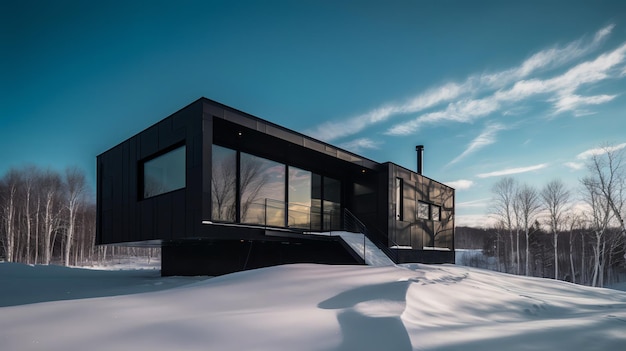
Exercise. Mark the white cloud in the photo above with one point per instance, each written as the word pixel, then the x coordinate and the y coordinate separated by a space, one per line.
pixel 574 165
pixel 460 184
pixel 572 102
pixel 510 171
pixel 473 204
pixel 547 58
pixel 466 110
pixel 561 87
pixel 333 130
pixel 603 33
pixel 463 111
pixel 599 151
pixel 486 137
pixel 360 144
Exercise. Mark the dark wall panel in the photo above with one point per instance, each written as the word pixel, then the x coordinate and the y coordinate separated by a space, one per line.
pixel 149 142
pixel 227 256
pixel 124 216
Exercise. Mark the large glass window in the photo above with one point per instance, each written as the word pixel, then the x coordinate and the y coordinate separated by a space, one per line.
pixel 299 195
pixel 262 188
pixel 332 204
pixel 254 190
pixel 224 184
pixel 316 202
pixel 164 173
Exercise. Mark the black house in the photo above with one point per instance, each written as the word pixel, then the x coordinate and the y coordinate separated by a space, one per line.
pixel 221 191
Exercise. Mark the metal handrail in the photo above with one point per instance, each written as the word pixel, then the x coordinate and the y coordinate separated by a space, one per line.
pixel 378 240
pixel 351 223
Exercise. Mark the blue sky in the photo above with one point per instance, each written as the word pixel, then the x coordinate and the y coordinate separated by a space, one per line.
pixel 489 87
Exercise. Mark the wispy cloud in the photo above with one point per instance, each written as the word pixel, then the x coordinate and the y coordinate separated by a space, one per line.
pixel 485 138
pixel 573 102
pixel 574 165
pixel 548 58
pixel 463 111
pixel 461 184
pixel 361 144
pixel 599 151
pixel 333 130
pixel 467 109
pixel 510 171
pixel 561 89
pixel 474 203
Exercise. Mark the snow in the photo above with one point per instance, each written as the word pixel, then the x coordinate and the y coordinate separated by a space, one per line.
pixel 304 307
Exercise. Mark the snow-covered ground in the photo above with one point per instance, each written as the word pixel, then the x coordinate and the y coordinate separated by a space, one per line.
pixel 304 307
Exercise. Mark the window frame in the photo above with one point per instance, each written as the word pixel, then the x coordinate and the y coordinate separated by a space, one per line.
pixel 431 208
pixel 141 189
pixel 399 206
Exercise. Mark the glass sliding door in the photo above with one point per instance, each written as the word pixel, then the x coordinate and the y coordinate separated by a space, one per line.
pixel 316 202
pixel 299 198
pixel 332 204
pixel 262 188
pixel 254 190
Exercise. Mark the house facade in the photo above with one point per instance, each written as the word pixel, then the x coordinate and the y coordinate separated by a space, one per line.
pixel 220 191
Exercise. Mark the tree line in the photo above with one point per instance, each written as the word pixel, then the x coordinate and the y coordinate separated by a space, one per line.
pixel 568 234
pixel 49 217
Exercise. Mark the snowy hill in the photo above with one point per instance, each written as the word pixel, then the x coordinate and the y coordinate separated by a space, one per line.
pixel 305 307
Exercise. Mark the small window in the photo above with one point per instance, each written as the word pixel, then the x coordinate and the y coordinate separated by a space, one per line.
pixel 435 213
pixel 399 202
pixel 164 173
pixel 423 210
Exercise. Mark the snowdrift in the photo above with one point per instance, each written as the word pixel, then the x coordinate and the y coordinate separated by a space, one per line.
pixel 306 307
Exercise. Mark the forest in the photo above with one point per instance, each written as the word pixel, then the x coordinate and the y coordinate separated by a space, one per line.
pixel 49 217
pixel 577 235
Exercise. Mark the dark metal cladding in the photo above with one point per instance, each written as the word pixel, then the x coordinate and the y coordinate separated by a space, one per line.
pixel 131 210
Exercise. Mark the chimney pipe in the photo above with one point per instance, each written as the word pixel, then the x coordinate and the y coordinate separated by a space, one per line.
pixel 420 158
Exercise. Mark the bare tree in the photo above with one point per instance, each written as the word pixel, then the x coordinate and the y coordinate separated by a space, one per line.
pixel 75 188
pixel 573 222
pixel 51 187
pixel 599 217
pixel 529 206
pixel 30 174
pixel 9 186
pixel 609 177
pixel 555 200
pixel 503 193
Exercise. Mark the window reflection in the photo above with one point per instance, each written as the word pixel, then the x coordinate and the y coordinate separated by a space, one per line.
pixel 316 202
pixel 164 173
pixel 435 213
pixel 332 204
pixel 423 210
pixel 223 184
pixel 299 211
pixel 312 202
pixel 262 187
